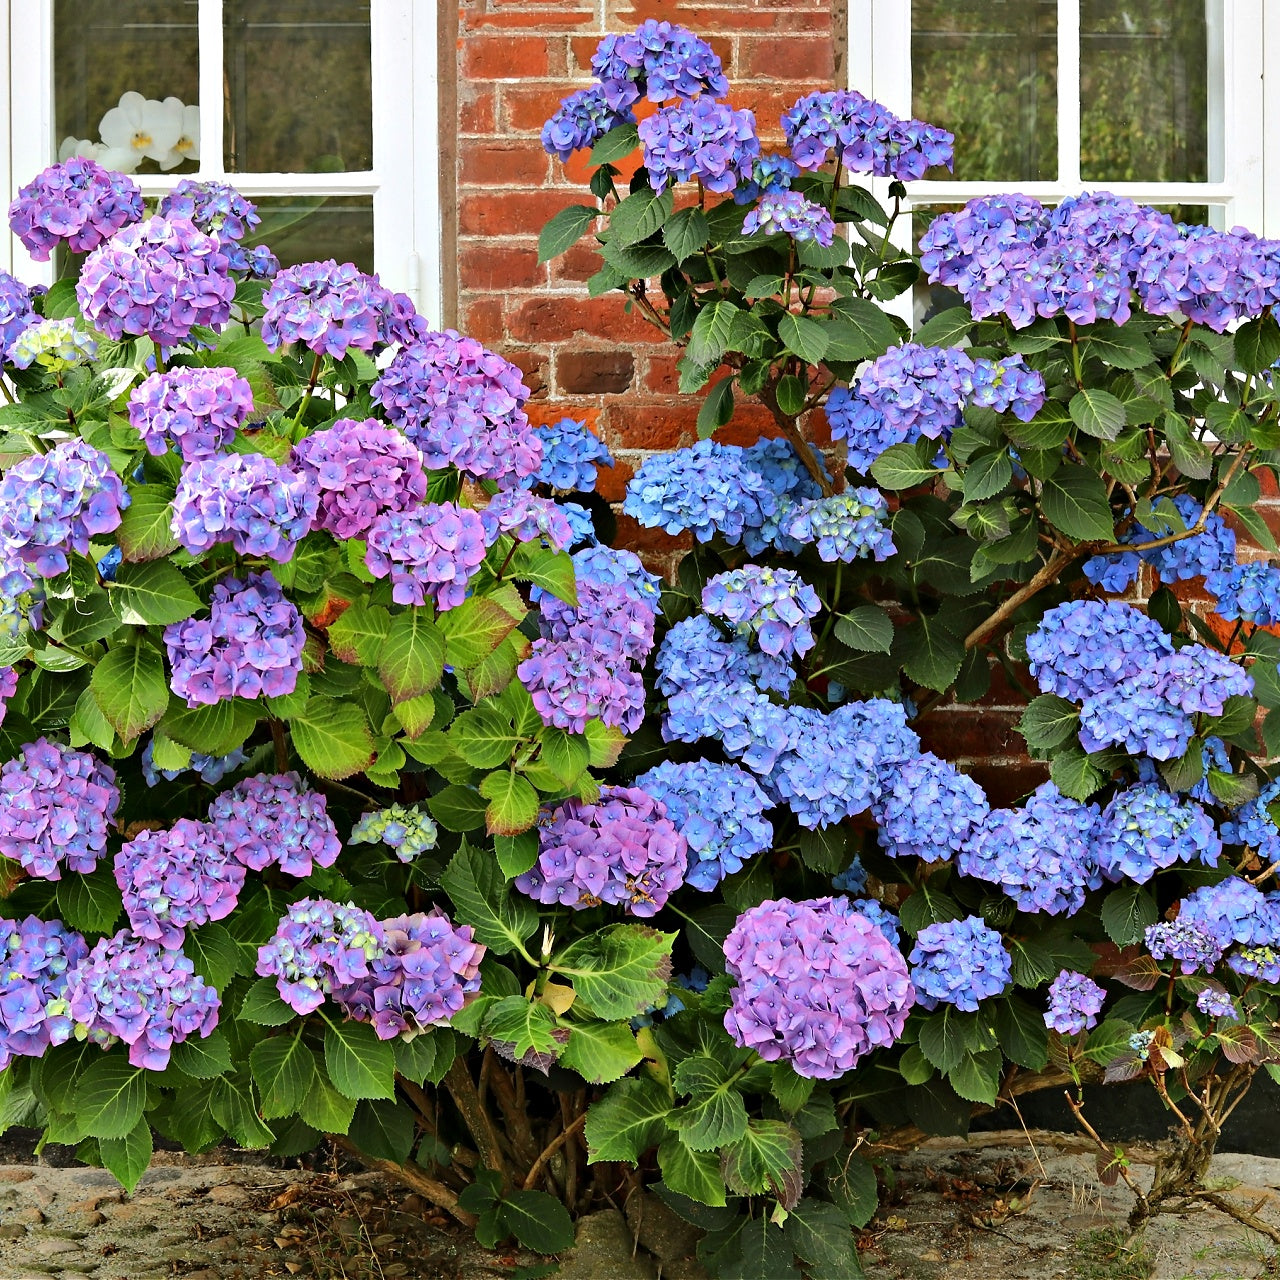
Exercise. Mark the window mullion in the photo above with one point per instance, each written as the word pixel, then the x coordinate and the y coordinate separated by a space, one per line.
pixel 209 19
pixel 1069 94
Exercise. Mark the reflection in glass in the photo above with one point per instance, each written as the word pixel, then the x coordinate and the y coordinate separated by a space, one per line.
pixel 299 86
pixel 1144 91
pixel 125 82
pixel 987 70
pixel 313 228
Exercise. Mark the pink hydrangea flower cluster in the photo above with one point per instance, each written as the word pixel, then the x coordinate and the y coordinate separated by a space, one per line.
pixel 196 411
pixel 275 819
pixel 430 552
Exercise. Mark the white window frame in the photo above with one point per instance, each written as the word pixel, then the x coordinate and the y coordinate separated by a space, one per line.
pixel 404 181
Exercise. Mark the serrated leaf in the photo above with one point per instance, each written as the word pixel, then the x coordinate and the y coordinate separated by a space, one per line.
pixel 235 1109
pixel 1108 1041
pixel 1076 774
pixel 131 690
pixel 325 1109
pixel 359 1064
pixel 765 1159
pixel 1022 1033
pixel 127 1158
pixel 383 1129
pixel 1074 500
pixel 145 531
pixel 565 229
pixel 474 630
pixel 943 1037
pixel 946 329
pixel 932 653
pixel 482 899
pixel 716 409
pixel 411 659
pixel 627 1121
pixel 203 1058
pixel 1127 913
pixel 905 465
pixel 1121 347
pixel 866 628
pixel 332 737
pixel 1257 344
pixel 537 1220
pixel 1097 413
pixel 803 335
pixel 1190 456
pixel 1049 721
pixel 110 1096
pixel 638 216
pixel 686 233
pixel 695 1174
pixel 976 1077
pixel 709 337
pixel 528 1026
pixel 987 473
pixel 456 807
pixel 155 593
pixel 546 568
pixel 262 1005
pixel 714 1113
pixel 90 903
pixel 216 730
pixel 214 953
pixel 283 1069
pixel 619 972
pixel 600 1052
pixel 357 635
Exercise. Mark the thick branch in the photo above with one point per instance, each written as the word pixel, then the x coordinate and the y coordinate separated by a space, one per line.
pixel 463 1091
pixel 414 1176
pixel 552 1147
pixel 1048 573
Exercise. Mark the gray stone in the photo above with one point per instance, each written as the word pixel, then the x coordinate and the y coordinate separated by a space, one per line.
pixel 228 1193
pixel 42 1195
pixel 12 1231
pixel 95 1178
pixel 660 1230
pixel 153 1177
pixel 51 1246
pixel 604 1250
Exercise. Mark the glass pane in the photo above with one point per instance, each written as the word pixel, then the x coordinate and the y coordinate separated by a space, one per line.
pixel 104 50
pixel 299 86
pixel 1144 90
pixel 312 228
pixel 987 70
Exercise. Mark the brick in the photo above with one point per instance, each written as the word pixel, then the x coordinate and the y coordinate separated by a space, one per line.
pixel 594 373
pixel 476 111
pixel 481 319
pixel 530 19
pixel 732 20
pixel 792 58
pixel 660 426
pixel 497 266
pixel 555 319
pixel 525 108
pixel 972 733
pixel 649 541
pixel 533 367
pixel 550 412
pixel 502 164
pixel 577 264
pixel 506 57
pixel 507 213
pixel 1006 781
pixel 582 48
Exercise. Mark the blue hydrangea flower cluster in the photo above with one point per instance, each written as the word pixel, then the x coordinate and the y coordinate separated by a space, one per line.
pixel 866 137
pixel 1145 829
pixel 250 644
pixel 1083 647
pixel 788 213
pixel 571 682
pixel 56 808
pixel 220 210
pixel 700 140
pixel 55 345
pixel 772 607
pixel 1232 911
pixel 622 850
pixel 927 809
pixel 527 518
pixel 719 809
pixel 581 526
pixel 36 958
pixel 1210 552
pixel 617 565
pixel 880 916
pixel 1040 855
pixel 1250 592
pixel 463 406
pixel 771 171
pixel 53 503
pixel 1074 1003
pixel 430 552
pixel 319 947
pixel 1217 1003
pixel 959 962
pixel 21 596
pixel 581 120
pixel 1007 386
pixel 816 984
pixel 659 60
pixel 359 470
pixel 1252 824
pixel 1261 962
pixel 853 879
pixel 405 829
pixel 848 526
pixel 426 971
pixel 571 455
pixel 159 279
pixel 176 880
pixel 246 499
pixel 1192 945
pixel 147 995
pixel 15 310
pixel 209 769
pixel 275 819
pixel 195 410
pixel 77 202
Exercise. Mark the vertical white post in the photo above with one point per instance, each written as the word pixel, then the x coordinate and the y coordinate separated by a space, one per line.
pixel 1069 94
pixel 30 111
pixel 212 82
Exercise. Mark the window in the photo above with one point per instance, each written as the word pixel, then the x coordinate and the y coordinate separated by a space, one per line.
pixel 324 112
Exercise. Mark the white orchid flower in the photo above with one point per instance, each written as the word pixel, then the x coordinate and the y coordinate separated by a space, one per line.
pixel 188 145
pixel 142 126
pixel 116 158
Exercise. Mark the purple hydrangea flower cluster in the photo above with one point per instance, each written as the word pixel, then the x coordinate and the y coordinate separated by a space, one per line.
pixel 1145 829
pixel 1210 552
pixel 928 809
pixel 1074 1003
pixel 176 880
pixel 571 682
pixel 959 962
pixel 571 453
pixel 8 687
pixel 527 518
pixel 463 406
pixel 848 526
pixel 56 806
pixel 250 644
pixel 1250 592
pixel 15 310
pixel 816 984
pixel 53 503
pixel 719 809
pixel 1258 962
pixel 430 552
pixel 195 410
pixel 581 120
pixel 700 140
pixel 1007 386
pixel 36 958
pixel 788 213
pixel 866 137
pixel 1192 945
pixel 78 202
pixel 220 210
pixel 1253 825
pixel 319 948
pixel 1232 911
pixel 622 850
pixel 246 499
pixel 617 565
pixel 1195 272
pixel 424 973
pixel 772 171
pixel 359 470
pixel 275 819
pixel 880 916
pixel 406 829
pixel 659 60
pixel 147 995
pixel 1216 1003
pixel 1083 647
pixel 56 345
pixel 160 278
pixel 609 616
pixel 209 769
pixel 772 607
pixel 1040 855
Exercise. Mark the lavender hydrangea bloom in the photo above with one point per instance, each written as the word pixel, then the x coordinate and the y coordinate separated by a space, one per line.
pixel 1232 911
pixel 700 140
pixel 36 958
pixel 571 682
pixel 78 202
pixel 622 850
pixel 21 596
pixel 55 345
pixel 1253 825
pixel 320 947
pixel 146 995
pixel 15 311
pixel 1074 1003
pixel 959 962
pixel 927 809
pixel 1213 550
pixel 1216 1003
pixel 773 607
pixel 426 971
pixel 580 121
pixel 659 60
pixel 617 565
pixel 53 503
pixel 218 210
pixel 8 687
pixel 609 617
pixel 1250 592
pixel 772 171
pixel 275 819
pixel 406 829
pixel 1199 680
pixel 1192 271
pixel 359 470
pixel 848 526
pixel 430 552
pixel 570 455
pixel 1146 829
pixel 1007 386
pixel 209 769
pixel 1083 647
pixel 177 880
pixel 527 518
pixel 919 391
pixel 880 916
pixel 789 213
pixel 816 984
pixel 250 644
pixel 719 809
pixel 56 807
pixel 246 499
pixel 1192 945
pixel 1040 855
pixel 195 410
pixel 160 279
